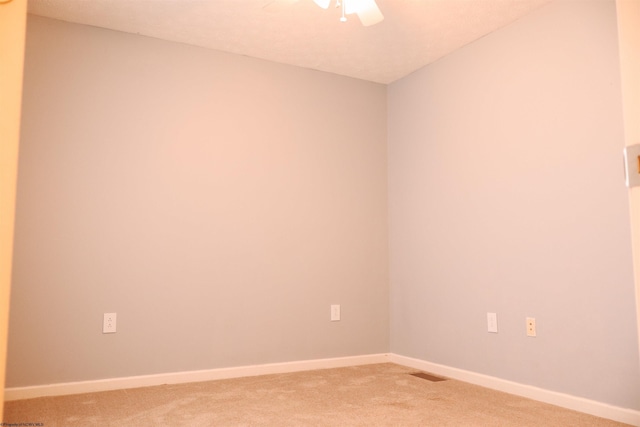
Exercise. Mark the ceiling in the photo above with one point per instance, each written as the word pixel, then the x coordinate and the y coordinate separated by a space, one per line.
pixel 413 34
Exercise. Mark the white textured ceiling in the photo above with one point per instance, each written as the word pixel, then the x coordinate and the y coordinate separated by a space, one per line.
pixel 413 34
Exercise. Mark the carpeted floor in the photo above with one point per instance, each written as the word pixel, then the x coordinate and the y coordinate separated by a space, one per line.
pixel 372 395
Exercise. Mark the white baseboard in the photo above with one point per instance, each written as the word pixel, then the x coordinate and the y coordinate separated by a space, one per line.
pixel 587 406
pixel 17 393
pixel 580 404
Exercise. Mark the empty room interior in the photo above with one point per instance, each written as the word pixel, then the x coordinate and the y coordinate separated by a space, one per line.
pixel 186 213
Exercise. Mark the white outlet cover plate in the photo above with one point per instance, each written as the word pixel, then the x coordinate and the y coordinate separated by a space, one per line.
pixel 492 323
pixel 109 323
pixel 335 312
pixel 531 327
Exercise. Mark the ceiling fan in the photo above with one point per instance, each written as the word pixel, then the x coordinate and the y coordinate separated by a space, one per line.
pixel 367 10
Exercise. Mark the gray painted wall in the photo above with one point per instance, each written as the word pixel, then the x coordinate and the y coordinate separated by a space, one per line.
pixel 506 195
pixel 219 204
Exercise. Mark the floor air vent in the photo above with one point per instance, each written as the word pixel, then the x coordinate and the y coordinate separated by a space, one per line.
pixel 428 377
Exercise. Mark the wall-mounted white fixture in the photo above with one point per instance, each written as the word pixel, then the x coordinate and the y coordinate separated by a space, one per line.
pixel 367 10
pixel 632 165
pixel 531 327
pixel 335 312
pixel 492 323
pixel 109 323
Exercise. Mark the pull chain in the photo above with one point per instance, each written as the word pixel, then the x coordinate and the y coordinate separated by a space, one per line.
pixel 339 3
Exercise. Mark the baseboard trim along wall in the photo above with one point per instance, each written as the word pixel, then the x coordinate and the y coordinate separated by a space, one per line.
pixel 18 393
pixel 587 406
pixel 567 401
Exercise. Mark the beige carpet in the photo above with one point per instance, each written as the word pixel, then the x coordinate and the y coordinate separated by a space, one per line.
pixel 372 395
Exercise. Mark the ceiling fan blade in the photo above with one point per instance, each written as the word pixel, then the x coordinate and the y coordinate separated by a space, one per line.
pixel 322 3
pixel 367 11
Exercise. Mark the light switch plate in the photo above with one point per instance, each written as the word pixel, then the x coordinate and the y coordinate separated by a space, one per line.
pixel 632 165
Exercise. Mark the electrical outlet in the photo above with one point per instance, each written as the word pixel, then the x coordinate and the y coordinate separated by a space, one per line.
pixel 335 312
pixel 109 323
pixel 531 327
pixel 492 323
